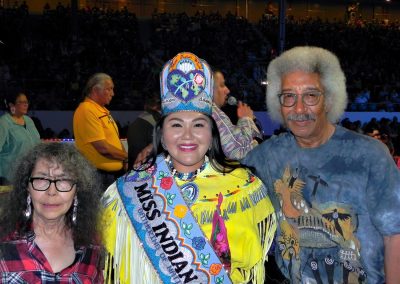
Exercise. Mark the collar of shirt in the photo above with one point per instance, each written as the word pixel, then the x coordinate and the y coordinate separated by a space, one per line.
pixel 99 107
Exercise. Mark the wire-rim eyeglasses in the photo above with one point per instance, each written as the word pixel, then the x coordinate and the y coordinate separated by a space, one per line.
pixel 290 99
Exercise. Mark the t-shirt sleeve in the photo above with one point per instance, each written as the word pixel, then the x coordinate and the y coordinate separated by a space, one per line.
pixel 383 192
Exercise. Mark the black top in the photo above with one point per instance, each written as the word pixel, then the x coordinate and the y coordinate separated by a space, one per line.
pixel 140 133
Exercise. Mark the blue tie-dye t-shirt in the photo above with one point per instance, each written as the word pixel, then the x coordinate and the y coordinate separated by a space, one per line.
pixel 334 203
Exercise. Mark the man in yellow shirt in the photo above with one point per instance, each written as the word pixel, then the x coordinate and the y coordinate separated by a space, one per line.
pixel 96 133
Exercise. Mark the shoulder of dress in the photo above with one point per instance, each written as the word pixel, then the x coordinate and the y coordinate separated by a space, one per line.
pixel 240 179
pixel 5 117
pixel 240 173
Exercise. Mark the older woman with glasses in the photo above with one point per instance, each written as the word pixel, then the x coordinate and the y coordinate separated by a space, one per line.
pixel 48 222
pixel 18 134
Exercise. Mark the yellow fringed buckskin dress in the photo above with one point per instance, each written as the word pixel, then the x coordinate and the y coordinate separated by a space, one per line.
pixel 246 209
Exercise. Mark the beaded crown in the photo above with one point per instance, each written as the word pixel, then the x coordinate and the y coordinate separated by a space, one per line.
pixel 186 85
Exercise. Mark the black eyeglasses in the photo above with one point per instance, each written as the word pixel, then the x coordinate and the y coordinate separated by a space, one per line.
pixel 290 99
pixel 43 184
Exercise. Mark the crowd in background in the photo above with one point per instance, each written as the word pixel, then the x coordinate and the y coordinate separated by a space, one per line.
pixel 42 54
pixel 51 55
pixel 366 52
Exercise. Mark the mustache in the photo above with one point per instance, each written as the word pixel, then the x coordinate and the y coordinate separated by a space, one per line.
pixel 302 117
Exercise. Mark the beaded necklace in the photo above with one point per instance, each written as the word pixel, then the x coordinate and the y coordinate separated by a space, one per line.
pixel 185 176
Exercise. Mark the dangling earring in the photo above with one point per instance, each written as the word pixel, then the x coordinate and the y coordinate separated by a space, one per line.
pixel 12 110
pixel 163 145
pixel 75 210
pixel 28 210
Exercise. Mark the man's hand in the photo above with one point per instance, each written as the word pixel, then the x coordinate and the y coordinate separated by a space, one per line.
pixel 243 110
pixel 109 151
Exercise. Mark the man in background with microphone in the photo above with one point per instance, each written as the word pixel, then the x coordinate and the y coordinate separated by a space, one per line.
pixel 239 139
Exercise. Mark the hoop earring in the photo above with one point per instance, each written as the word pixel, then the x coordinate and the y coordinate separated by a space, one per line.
pixel 75 210
pixel 28 210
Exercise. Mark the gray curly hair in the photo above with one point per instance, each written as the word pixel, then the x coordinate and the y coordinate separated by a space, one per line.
pixel 311 60
pixel 86 231
pixel 95 81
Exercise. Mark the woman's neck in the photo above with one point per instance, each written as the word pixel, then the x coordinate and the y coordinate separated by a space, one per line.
pixel 18 118
pixel 56 242
pixel 50 229
pixel 187 174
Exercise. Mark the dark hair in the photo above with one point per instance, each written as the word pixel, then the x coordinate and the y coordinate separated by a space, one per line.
pixel 370 127
pixel 215 154
pixel 86 229
pixel 152 100
pixel 12 98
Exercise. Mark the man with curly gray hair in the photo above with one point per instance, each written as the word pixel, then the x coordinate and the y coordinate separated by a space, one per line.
pixel 337 192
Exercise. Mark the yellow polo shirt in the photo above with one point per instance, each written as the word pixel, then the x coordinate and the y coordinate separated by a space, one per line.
pixel 92 122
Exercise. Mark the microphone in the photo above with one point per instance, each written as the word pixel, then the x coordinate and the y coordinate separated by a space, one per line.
pixel 232 101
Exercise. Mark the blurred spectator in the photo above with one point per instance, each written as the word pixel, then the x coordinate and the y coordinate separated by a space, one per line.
pixel 18 133
pixel 362 100
pixel 372 130
pixel 140 132
pixel 43 54
pixel 64 134
pixel 382 132
pixel 96 133
pixel 270 10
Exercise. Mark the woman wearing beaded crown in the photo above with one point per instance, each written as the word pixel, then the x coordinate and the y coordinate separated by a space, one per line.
pixel 188 215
